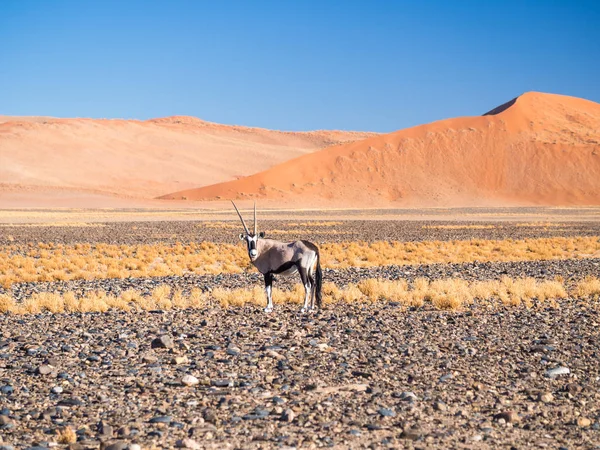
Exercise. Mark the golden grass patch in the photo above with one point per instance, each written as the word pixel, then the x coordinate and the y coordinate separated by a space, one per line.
pixel 59 262
pixel 449 293
pixel 588 287
pixel 458 227
pixel 66 436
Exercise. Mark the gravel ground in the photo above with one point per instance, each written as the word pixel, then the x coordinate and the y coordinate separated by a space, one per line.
pixel 351 230
pixel 350 377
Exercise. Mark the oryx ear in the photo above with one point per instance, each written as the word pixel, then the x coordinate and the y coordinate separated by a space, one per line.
pixel 261 234
pixel 242 236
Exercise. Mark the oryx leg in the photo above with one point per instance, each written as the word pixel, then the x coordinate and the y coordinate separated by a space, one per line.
pixel 268 290
pixel 311 281
pixel 307 287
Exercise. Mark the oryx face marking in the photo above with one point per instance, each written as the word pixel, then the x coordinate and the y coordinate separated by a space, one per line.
pixel 251 242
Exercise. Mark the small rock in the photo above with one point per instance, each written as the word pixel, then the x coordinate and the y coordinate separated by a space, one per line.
pixel 288 415
pixel 408 397
pixel 233 350
pixel 149 359
pixel 163 341
pixel 161 419
pixel 222 383
pixel 119 445
pixel 557 371
pixel 446 377
pixel 178 360
pixel 546 397
pixel 411 433
pixel 386 412
pixel 187 443
pixel 135 447
pixel 45 369
pixel 189 380
pixel 584 422
pixel 440 406
pixel 7 390
pixel 5 420
pixel 57 390
pixel 508 416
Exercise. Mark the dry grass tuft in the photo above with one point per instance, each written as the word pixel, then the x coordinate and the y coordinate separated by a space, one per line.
pixel 458 227
pixel 66 436
pixel 51 262
pixel 449 293
pixel 588 287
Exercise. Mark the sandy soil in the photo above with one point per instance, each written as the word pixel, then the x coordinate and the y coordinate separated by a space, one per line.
pixel 540 149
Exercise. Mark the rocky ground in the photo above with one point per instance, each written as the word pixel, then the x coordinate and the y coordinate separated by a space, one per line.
pixel 350 230
pixel 375 376
pixel 352 376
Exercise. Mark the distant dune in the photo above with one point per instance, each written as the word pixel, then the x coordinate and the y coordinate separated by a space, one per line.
pixel 48 157
pixel 538 149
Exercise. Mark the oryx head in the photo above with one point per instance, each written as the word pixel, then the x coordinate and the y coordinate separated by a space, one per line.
pixel 250 238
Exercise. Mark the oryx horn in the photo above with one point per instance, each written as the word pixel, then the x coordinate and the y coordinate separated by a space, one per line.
pixel 254 218
pixel 241 218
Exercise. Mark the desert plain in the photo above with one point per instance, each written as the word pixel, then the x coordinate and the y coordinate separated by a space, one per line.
pixel 461 265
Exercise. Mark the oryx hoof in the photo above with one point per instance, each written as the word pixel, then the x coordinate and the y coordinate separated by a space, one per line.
pixel 304 310
pixel 268 309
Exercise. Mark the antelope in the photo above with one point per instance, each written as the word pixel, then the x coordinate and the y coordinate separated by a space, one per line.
pixel 273 257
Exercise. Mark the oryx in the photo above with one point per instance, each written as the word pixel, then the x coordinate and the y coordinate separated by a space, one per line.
pixel 272 257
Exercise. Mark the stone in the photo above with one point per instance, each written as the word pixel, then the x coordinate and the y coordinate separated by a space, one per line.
pixel 57 390
pixel 288 415
pixel 508 417
pixel 178 360
pixel 5 420
pixel 557 371
pixel 7 390
pixel 386 412
pixel 545 397
pixel 44 369
pixel 584 422
pixel 188 443
pixel 408 397
pixel 161 419
pixel 440 406
pixel 163 341
pixel 189 380
pixel 233 350
pixel 149 359
pixel 411 433
pixel 119 445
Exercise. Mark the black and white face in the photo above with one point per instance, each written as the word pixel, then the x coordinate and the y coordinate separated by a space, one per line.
pixel 251 242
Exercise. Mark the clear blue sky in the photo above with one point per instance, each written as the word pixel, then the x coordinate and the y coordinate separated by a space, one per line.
pixel 293 65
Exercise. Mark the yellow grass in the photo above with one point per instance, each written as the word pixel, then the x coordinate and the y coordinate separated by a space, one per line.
pixel 458 227
pixel 589 287
pixel 52 262
pixel 543 225
pixel 66 436
pixel 449 293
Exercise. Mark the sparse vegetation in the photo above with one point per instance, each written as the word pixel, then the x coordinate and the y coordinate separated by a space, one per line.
pixel 59 262
pixel 458 227
pixel 449 293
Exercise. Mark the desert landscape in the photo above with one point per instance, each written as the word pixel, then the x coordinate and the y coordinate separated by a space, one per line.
pixel 460 271
pixel 461 283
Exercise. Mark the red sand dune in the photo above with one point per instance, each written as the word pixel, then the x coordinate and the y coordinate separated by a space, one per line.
pixel 539 149
pixel 42 157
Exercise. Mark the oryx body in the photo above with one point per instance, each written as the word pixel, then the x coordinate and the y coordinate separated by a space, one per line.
pixel 273 257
